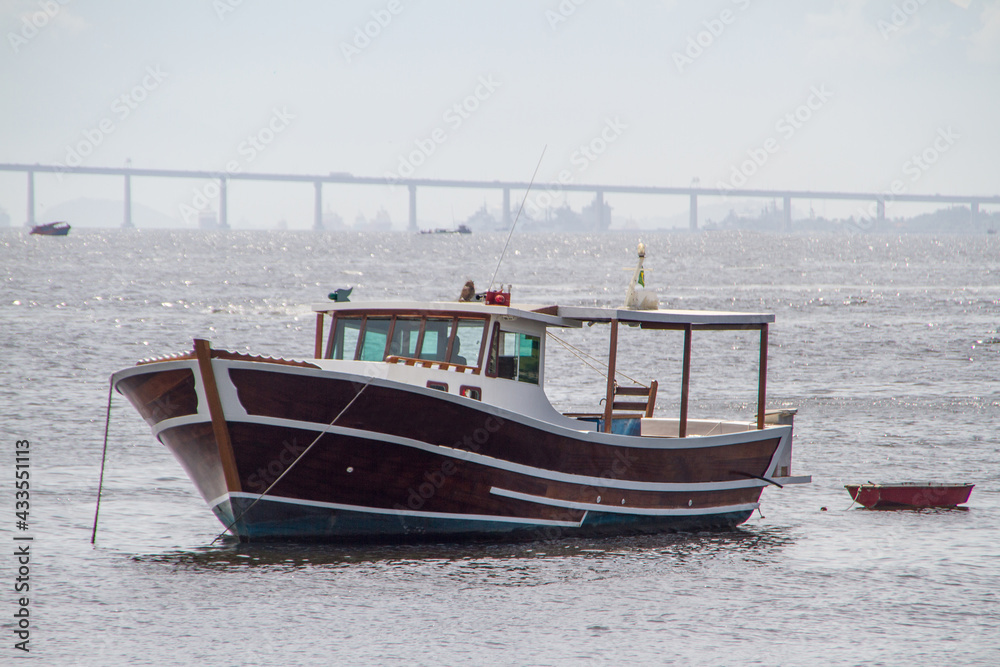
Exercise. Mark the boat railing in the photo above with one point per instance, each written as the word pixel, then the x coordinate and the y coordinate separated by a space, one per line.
pixel 432 363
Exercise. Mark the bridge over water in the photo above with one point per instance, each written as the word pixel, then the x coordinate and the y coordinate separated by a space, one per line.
pixel 879 199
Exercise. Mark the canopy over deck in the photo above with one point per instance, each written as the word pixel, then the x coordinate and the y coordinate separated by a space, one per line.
pixel 677 320
pixel 668 319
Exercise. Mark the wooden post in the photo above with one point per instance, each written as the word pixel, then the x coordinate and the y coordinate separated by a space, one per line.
pixel 685 383
pixel 612 360
pixel 203 353
pixel 762 381
pixel 319 336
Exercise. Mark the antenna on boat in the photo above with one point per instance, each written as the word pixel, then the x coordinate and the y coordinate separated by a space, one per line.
pixel 514 224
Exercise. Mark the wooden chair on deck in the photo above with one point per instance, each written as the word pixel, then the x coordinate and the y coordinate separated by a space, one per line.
pixel 640 399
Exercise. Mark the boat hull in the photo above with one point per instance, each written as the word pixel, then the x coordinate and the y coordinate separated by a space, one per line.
pixel 294 452
pixel 51 229
pixel 284 519
pixel 903 496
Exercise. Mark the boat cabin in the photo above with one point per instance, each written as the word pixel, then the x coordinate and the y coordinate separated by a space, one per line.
pixel 496 354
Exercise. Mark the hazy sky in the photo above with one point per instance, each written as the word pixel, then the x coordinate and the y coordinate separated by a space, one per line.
pixel 835 95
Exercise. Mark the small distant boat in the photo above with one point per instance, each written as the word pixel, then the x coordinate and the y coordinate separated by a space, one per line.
pixel 461 229
pixel 909 495
pixel 51 229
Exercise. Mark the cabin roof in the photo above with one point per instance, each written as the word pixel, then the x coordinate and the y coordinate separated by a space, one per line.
pixel 563 316
pixel 546 314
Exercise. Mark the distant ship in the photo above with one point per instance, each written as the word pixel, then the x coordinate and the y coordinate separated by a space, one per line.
pixel 461 229
pixel 209 220
pixel 51 229
pixel 484 221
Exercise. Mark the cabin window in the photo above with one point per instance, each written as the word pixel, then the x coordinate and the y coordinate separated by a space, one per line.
pixel 471 392
pixel 440 386
pixel 453 340
pixel 376 334
pixel 405 335
pixel 345 337
pixel 437 333
pixel 529 355
pixel 519 357
pixel 468 340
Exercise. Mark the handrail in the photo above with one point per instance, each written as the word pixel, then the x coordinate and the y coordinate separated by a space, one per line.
pixel 431 363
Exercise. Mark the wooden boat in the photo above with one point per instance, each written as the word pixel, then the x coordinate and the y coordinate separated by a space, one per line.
pixel 418 420
pixel 909 495
pixel 51 229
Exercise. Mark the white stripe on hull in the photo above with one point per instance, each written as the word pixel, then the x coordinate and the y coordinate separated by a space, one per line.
pixel 233 408
pixel 396 512
pixel 488 461
pixel 648 511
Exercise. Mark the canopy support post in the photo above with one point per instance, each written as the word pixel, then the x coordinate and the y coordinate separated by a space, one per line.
pixel 612 360
pixel 762 381
pixel 685 383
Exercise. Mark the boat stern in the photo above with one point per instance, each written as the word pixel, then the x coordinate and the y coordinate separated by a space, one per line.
pixel 780 470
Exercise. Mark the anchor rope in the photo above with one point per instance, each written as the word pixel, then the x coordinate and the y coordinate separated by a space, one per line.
pixel 297 459
pixel 104 458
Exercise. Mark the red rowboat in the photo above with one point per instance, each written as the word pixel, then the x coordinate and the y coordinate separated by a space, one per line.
pixel 910 494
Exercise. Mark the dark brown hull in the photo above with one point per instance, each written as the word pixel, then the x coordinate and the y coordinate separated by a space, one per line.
pixel 51 229
pixel 406 463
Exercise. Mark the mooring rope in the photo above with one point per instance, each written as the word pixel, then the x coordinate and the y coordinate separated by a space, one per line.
pixel 104 457
pixel 580 354
pixel 292 464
